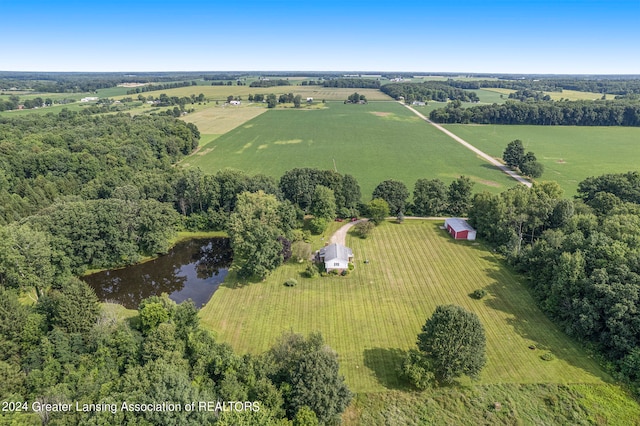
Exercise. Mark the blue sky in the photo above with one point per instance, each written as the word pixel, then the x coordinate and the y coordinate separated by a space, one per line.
pixel 529 36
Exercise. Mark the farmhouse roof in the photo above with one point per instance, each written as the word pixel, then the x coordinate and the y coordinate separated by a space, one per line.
pixel 336 251
pixel 459 224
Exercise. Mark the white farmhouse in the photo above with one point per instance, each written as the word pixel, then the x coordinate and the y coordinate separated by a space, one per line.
pixel 335 257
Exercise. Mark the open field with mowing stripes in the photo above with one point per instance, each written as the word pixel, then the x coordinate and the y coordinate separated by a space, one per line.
pixel 372 316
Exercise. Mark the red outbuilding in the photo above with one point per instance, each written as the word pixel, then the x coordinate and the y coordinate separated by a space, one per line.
pixel 460 229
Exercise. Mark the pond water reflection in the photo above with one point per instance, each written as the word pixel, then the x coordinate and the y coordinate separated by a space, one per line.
pixel 192 269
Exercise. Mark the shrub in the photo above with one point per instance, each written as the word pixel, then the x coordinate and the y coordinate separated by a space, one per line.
pixel 415 368
pixel 291 282
pixel 318 225
pixel 363 229
pixel 300 251
pixel 479 294
pixel 548 357
pixel 311 271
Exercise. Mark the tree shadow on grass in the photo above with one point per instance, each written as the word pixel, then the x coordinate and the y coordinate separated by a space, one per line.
pixel 386 364
pixel 524 317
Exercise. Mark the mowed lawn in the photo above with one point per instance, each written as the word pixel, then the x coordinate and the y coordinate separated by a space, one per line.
pixel 373 142
pixel 372 316
pixel 569 153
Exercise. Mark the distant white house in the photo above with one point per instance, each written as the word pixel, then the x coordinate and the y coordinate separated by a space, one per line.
pixel 309 100
pixel 418 103
pixel 460 229
pixel 234 102
pixel 335 257
pixel 89 99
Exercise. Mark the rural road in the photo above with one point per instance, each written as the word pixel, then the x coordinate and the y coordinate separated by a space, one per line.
pixel 467 145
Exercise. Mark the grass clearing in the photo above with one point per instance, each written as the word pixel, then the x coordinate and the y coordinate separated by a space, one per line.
pixel 372 316
pixel 569 153
pixel 373 142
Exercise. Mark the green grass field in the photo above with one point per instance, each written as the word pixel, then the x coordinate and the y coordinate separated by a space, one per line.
pixel 372 316
pixel 572 95
pixel 569 153
pixel 373 142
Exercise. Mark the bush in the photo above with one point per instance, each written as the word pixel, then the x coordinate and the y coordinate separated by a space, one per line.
pixel 363 229
pixel 291 282
pixel 300 251
pixel 318 225
pixel 479 294
pixel 415 368
pixel 311 271
pixel 548 357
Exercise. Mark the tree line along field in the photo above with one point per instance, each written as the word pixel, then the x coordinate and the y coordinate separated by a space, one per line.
pixel 373 142
pixel 569 154
pixel 372 316
pixel 318 93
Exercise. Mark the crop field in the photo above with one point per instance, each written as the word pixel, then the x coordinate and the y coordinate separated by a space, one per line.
pixel 219 120
pixel 372 316
pixel 569 153
pixel 372 142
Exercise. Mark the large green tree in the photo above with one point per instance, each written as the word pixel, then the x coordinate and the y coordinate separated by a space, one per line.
pixel 323 203
pixel 378 210
pixel 454 343
pixel 254 229
pixel 307 372
pixel 429 197
pixel 459 196
pixel 514 153
pixel 394 192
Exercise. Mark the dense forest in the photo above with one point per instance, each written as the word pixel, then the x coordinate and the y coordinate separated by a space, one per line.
pixel 360 83
pixel 581 258
pixel 81 191
pixel 428 91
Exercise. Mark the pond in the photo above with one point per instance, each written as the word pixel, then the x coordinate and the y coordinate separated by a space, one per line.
pixel 192 269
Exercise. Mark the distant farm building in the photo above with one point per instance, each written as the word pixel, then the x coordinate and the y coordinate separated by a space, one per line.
pixel 335 257
pixel 89 99
pixel 460 229
pixel 234 102
pixel 309 100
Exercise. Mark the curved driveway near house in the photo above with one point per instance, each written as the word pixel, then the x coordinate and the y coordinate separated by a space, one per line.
pixel 340 236
pixel 467 145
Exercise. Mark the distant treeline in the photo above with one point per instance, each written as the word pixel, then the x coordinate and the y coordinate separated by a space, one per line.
pixel 359 83
pixel 575 113
pixel 270 83
pixel 428 91
pixel 82 82
pixel 166 86
pixel 612 86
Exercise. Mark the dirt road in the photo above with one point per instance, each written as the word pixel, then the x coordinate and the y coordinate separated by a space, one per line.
pixel 467 145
